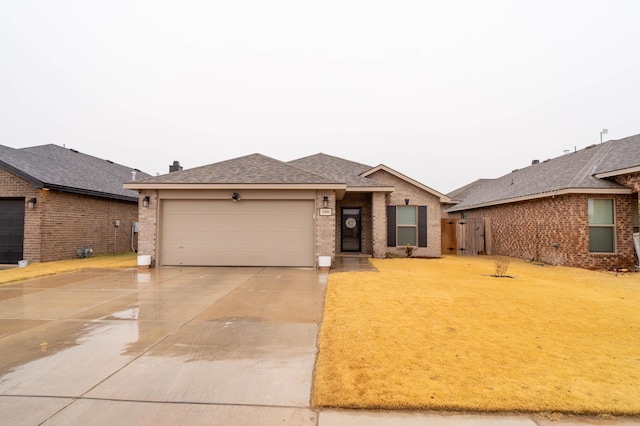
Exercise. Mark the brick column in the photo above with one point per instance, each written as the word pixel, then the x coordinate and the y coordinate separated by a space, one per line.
pixel 379 218
pixel 325 226
pixel 148 226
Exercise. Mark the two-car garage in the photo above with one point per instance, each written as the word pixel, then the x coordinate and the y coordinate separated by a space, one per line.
pixel 215 232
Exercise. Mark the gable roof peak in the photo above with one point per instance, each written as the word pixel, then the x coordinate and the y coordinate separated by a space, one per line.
pixel 382 167
pixel 337 169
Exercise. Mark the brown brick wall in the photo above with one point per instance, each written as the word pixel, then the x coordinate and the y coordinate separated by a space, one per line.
pixel 61 223
pixel 555 230
pixel 417 197
pixel 71 221
pixel 631 180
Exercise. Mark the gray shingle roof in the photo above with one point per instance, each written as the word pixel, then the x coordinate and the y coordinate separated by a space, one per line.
pixel 64 169
pixel 250 169
pixel 570 172
pixel 624 154
pixel 337 169
pixel 258 169
pixel 468 190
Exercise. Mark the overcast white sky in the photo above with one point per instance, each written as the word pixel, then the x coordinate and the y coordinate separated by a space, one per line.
pixel 445 92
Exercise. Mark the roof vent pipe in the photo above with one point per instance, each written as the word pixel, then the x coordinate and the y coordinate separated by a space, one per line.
pixel 535 161
pixel 175 167
pixel 133 175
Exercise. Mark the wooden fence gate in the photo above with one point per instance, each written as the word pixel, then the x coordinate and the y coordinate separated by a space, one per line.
pixel 471 236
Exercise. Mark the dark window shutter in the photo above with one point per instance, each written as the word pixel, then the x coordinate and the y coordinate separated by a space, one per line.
pixel 422 226
pixel 391 226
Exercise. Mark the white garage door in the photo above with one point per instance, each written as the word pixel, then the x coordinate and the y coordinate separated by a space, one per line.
pixel 242 233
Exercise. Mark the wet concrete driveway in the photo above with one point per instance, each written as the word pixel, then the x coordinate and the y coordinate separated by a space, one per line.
pixel 162 346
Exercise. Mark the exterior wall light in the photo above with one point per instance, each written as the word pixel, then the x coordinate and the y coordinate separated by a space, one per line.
pixel 145 201
pixel 235 196
pixel 406 201
pixel 325 202
pixel 31 203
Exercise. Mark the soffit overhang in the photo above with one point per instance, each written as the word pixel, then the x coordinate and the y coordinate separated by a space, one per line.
pixel 385 189
pixel 339 188
pixel 613 173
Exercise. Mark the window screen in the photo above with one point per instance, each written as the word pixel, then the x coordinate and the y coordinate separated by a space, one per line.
pixel 601 226
pixel 407 225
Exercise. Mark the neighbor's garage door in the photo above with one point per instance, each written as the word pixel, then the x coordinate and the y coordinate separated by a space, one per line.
pixel 11 230
pixel 242 233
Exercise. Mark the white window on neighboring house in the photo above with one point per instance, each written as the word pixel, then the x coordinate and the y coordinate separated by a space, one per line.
pixel 602 233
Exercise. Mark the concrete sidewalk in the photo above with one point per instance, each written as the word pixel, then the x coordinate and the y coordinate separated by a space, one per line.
pixel 228 346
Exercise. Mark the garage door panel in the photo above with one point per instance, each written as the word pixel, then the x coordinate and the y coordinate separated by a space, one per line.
pixel 269 236
pixel 233 257
pixel 244 233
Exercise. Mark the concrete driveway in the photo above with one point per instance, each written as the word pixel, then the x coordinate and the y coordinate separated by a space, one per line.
pixel 163 346
pixel 168 346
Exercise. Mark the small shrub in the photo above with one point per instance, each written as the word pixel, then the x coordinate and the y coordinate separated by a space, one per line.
pixel 501 264
pixel 409 250
pixel 390 255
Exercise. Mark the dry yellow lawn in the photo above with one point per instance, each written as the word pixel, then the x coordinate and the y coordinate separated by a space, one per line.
pixel 442 334
pixel 34 270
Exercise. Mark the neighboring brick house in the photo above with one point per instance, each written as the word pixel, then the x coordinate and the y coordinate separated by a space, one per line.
pixel 55 201
pixel 258 211
pixel 580 209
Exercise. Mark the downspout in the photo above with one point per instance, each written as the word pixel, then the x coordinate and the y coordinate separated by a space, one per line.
pixel 132 234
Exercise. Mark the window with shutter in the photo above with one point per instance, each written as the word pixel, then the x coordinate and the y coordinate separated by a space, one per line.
pixel 407 225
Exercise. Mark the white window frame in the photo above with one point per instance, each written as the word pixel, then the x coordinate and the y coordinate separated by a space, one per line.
pixel 611 226
pixel 406 226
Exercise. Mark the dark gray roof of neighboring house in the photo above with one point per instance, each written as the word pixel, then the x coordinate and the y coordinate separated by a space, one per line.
pixel 337 169
pixel 623 154
pixel 573 172
pixel 251 169
pixel 468 190
pixel 54 167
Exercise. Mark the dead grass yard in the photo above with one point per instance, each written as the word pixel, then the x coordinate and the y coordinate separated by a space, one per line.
pixel 441 334
pixel 39 269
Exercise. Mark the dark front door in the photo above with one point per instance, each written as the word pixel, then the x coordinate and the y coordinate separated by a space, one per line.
pixel 351 233
pixel 11 230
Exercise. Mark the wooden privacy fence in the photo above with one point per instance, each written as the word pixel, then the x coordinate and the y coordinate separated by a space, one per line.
pixel 471 236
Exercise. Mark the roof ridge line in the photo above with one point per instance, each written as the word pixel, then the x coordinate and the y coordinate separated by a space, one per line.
pixel 288 163
pixel 590 166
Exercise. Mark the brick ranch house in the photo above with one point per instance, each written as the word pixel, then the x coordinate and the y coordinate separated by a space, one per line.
pixel 259 211
pixel 54 201
pixel 580 209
